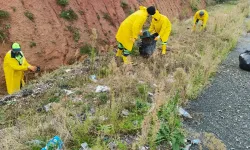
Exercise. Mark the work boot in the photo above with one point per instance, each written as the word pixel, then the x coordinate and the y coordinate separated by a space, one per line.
pixel 164 49
pixel 126 60
pixel 119 53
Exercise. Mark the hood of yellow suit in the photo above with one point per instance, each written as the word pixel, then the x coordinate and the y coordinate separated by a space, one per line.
pixel 143 8
pixel 157 15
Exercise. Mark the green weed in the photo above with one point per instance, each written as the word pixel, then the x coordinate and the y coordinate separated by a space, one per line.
pixel 124 4
pixel 75 32
pixel 62 2
pixel 29 15
pixel 107 17
pixel 170 129
pixel 32 44
pixel 4 14
pixel 86 49
pixel 69 15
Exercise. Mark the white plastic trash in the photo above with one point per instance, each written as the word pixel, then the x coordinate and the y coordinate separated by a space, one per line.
pixel 101 88
pixel 93 78
pixel 184 113
pixel 196 141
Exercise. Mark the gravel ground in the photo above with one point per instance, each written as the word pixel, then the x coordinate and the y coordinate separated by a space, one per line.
pixel 224 107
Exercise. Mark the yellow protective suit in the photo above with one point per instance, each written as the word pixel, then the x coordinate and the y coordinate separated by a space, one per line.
pixel 204 18
pixel 14 73
pixel 161 25
pixel 130 28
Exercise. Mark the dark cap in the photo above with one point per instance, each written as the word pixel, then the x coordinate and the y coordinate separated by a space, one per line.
pixel 151 10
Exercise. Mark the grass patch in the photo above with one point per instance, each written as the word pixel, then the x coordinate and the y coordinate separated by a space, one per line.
pixel 101 118
pixel 4 14
pixel 107 17
pixel 124 4
pixel 75 32
pixel 63 2
pixel 29 15
pixel 69 15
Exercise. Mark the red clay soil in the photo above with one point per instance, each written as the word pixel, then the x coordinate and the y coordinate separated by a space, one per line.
pixel 55 45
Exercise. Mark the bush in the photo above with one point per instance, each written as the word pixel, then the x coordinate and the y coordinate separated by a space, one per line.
pixel 29 15
pixel 69 15
pixel 4 14
pixel 62 2
pixel 86 49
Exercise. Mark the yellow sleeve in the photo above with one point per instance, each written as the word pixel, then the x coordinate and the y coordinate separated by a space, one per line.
pixel 205 20
pixel 26 63
pixel 137 26
pixel 151 29
pixel 15 66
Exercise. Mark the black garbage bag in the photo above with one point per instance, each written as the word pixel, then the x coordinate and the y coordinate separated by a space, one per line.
pixel 244 59
pixel 148 44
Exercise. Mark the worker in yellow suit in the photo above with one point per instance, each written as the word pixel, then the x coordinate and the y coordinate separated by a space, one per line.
pixel 129 31
pixel 200 15
pixel 14 66
pixel 161 27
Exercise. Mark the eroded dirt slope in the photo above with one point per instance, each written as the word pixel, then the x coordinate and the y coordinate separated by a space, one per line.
pixel 55 45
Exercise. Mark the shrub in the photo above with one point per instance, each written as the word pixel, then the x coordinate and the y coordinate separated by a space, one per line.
pixel 62 2
pixel 86 49
pixel 4 14
pixel 69 15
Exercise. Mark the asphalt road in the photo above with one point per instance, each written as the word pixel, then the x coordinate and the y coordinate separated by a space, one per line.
pixel 223 108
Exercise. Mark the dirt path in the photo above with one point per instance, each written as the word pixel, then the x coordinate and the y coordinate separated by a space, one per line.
pixel 224 107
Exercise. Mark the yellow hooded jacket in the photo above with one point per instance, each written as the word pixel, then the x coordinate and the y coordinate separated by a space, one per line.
pixel 204 18
pixel 130 28
pixel 14 73
pixel 162 26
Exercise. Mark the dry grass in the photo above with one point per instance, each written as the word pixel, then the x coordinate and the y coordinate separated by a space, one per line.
pixel 193 59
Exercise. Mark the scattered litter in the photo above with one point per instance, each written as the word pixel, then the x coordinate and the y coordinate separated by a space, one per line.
pixel 141 82
pixel 68 92
pixel 125 112
pixel 84 146
pixel 196 141
pixel 93 78
pixel 35 142
pixel 103 118
pixel 92 111
pixel 67 70
pixel 184 113
pixel 143 148
pixel 187 147
pixel 47 107
pixel 150 94
pixel 54 143
pixel 112 146
pixel 101 88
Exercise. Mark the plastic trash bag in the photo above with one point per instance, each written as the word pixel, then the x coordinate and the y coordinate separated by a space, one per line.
pixel 244 59
pixel 148 44
pixel 54 144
